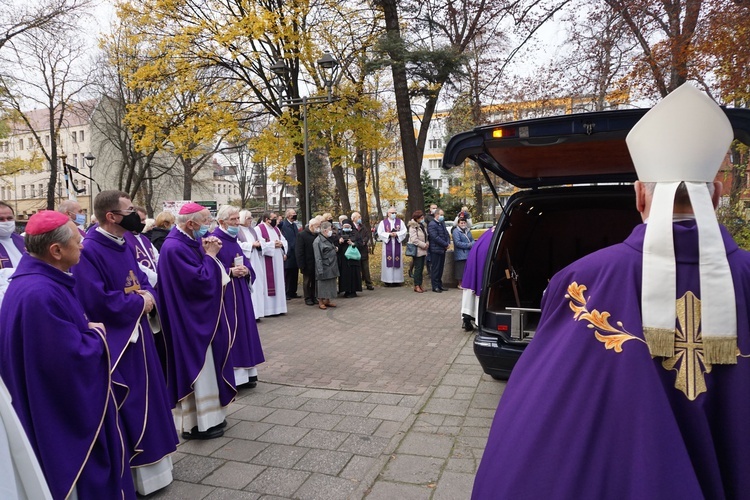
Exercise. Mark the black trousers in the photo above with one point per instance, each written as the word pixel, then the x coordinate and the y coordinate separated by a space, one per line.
pixel 291 275
pixel 366 272
pixel 437 262
pixel 308 286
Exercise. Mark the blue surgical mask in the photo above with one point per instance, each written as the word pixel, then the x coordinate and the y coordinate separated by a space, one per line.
pixel 80 219
pixel 347 230
pixel 392 216
pixel 200 233
pixel 441 218
pixel 233 230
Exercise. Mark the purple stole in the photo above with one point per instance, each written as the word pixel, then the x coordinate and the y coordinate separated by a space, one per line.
pixel 4 257
pixel 392 253
pixel 144 252
pixel 270 282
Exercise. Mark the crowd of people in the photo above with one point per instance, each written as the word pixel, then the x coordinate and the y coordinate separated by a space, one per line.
pixel 110 347
pixel 154 323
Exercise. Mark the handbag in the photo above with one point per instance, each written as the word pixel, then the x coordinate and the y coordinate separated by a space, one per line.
pixel 352 253
pixel 411 250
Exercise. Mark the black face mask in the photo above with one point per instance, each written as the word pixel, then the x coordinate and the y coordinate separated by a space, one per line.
pixel 273 223
pixel 294 217
pixel 132 222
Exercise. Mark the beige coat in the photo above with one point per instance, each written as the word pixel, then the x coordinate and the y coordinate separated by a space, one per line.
pixel 418 237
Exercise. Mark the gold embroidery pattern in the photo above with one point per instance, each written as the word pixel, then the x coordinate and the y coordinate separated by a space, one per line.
pixel 131 283
pixel 598 320
pixel 688 362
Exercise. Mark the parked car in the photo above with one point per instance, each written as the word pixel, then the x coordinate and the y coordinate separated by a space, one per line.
pixel 574 173
pixel 478 228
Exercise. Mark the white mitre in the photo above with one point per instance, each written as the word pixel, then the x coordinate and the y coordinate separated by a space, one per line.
pixel 684 138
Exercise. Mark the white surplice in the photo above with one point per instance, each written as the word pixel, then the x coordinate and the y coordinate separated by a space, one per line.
pixel 392 274
pixel 258 289
pixel 274 304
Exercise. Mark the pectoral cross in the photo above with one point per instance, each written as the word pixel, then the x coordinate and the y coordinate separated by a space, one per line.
pixel 131 283
pixel 688 347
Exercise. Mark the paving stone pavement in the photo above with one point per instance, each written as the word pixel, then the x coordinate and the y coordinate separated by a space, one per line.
pixel 378 398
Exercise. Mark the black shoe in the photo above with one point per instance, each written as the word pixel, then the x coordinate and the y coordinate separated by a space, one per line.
pixel 211 433
pixel 437 290
pixel 443 289
pixel 252 384
pixel 370 287
pixel 468 325
pixel 310 302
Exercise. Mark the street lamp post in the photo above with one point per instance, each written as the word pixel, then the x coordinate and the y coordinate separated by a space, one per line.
pixel 327 66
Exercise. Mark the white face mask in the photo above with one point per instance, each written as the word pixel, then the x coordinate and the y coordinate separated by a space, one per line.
pixel 7 228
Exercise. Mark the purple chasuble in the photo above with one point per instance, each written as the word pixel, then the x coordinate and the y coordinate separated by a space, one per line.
pixel 193 316
pixel 17 240
pixel 246 350
pixel 57 371
pixel 143 250
pixel 270 281
pixel 474 270
pixel 589 414
pixel 392 252
pixel 107 278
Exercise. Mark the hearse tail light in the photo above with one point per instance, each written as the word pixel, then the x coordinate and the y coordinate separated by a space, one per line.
pixel 502 328
pixel 503 132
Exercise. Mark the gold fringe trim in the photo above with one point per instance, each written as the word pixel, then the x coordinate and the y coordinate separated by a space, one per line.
pixel 720 350
pixel 660 341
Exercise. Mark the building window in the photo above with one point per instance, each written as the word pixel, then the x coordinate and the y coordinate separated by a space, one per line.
pixel 437 183
pixel 23 190
pixel 273 200
pixel 30 143
pixel 33 191
pixel 85 187
pixel 436 143
pixel 73 136
pixel 434 164
pixel 20 144
pixel 46 140
pixel 80 137
pixel 75 160
pixel 41 191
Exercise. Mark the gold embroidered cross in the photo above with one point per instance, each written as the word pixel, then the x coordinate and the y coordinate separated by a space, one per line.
pixel 131 283
pixel 688 348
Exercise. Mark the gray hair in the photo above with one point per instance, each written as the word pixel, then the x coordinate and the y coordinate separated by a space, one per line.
pixel 355 213
pixel 244 215
pixel 38 244
pixel 325 225
pixel 226 211
pixel 183 219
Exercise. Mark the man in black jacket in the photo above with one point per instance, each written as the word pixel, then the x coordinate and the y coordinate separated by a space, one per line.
pixel 306 259
pixel 364 249
pixel 439 242
pixel 288 228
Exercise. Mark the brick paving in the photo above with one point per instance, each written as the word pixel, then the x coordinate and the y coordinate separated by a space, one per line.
pixel 378 398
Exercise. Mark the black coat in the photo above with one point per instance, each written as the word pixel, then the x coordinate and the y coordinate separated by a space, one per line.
pixel 304 252
pixel 289 230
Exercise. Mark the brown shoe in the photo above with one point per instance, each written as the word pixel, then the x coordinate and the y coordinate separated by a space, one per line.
pixel 322 306
pixel 331 304
pixel 418 289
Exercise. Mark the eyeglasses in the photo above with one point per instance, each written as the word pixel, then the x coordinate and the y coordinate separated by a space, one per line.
pixel 123 212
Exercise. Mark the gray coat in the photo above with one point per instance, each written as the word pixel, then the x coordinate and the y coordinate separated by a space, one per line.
pixel 326 262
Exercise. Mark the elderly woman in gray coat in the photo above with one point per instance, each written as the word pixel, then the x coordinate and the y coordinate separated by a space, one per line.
pixel 326 266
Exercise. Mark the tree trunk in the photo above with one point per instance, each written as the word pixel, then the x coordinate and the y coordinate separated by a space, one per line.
pixel 187 178
pixel 338 176
pixel 412 166
pixel 52 164
pixel 360 176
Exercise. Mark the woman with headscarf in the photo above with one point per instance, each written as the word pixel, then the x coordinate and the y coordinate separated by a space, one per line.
pixel 350 281
pixel 326 266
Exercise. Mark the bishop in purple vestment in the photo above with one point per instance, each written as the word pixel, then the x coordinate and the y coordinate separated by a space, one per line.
pixel 114 291
pixel 247 351
pixel 592 409
pixel 56 365
pixel 191 292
